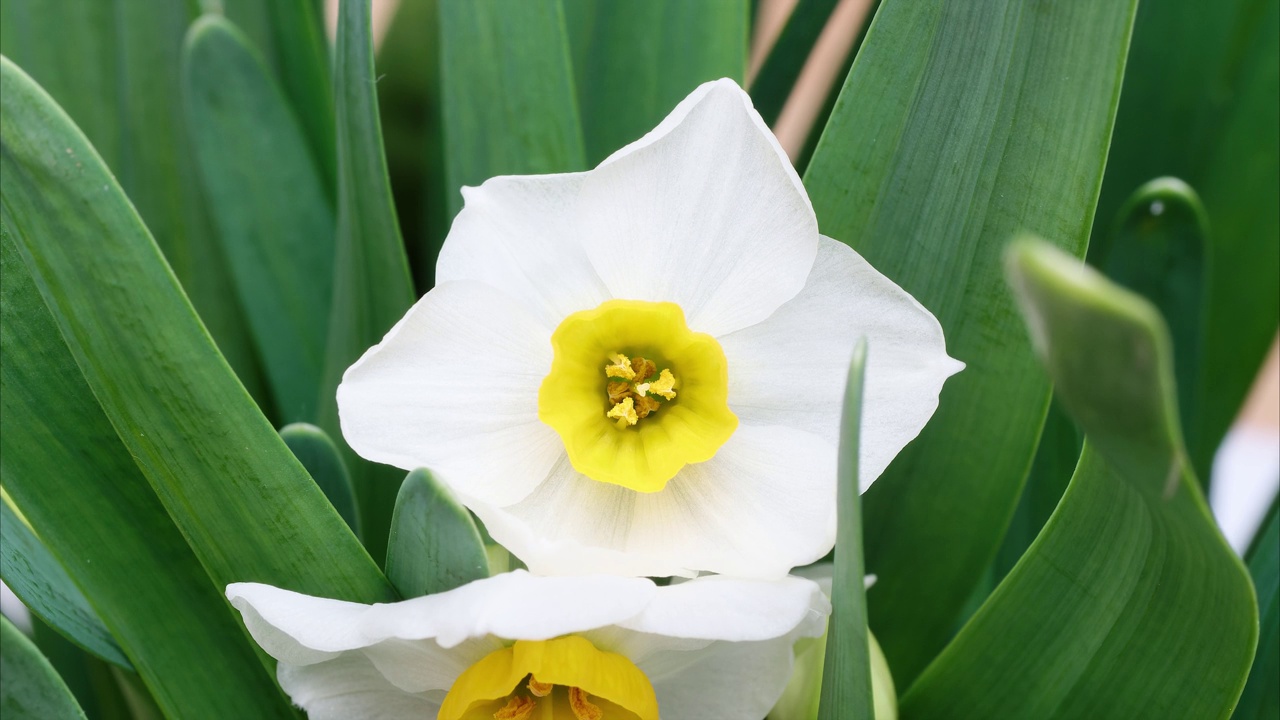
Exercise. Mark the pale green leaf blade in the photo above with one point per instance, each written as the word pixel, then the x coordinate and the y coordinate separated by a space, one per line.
pixel 371 285
pixel 1261 697
pixel 115 68
pixel 434 544
pixel 634 60
pixel 29 687
pixel 846 672
pixel 224 475
pixel 506 92
pixel 959 124
pixel 269 205
pixel 72 478
pixel 37 578
pixel 1129 603
pixel 323 461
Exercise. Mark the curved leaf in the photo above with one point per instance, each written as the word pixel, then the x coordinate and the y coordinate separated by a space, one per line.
pixel 1129 603
pixel 73 479
pixel 36 577
pixel 218 466
pixel 434 544
pixel 959 124
pixel 1261 697
pixel 29 687
pixel 323 461
pixel 269 205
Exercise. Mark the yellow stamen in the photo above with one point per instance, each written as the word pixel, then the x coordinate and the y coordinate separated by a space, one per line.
pixel 621 367
pixel 540 689
pixel 625 412
pixel 664 385
pixel 583 709
pixel 517 708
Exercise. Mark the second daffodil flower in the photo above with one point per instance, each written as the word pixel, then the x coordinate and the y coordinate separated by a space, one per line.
pixel 520 647
pixel 638 369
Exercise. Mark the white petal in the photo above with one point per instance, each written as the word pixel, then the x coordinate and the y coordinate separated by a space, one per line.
pixel 516 234
pixel 454 387
pixel 704 211
pixel 720 648
pixel 516 606
pixel 350 687
pixel 764 504
pixel 791 369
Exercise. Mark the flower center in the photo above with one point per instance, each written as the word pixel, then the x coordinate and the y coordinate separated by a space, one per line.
pixel 660 403
pixel 562 679
pixel 630 396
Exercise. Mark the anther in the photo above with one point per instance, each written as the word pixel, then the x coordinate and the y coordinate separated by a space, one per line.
pixel 539 689
pixel 583 709
pixel 517 708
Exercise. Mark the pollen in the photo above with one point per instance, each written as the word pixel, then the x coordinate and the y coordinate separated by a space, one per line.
pixel 539 689
pixel 632 393
pixel 519 707
pixel 583 709
pixel 625 412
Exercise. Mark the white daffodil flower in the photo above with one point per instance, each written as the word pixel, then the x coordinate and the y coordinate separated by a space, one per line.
pixel 517 646
pixel 639 369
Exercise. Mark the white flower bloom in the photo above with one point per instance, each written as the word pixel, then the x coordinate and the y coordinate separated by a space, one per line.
pixel 639 369
pixel 584 648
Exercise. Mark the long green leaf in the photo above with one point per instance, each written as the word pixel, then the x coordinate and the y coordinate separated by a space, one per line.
pixel 372 287
pixel 269 205
pixel 777 76
pixel 1201 102
pixel 846 671
pixel 29 687
pixel 224 475
pixel 959 124
pixel 1261 697
pixel 323 461
pixel 114 67
pixel 635 59
pixel 69 474
pixel 506 92
pixel 1130 603
pixel 434 544
pixel 36 577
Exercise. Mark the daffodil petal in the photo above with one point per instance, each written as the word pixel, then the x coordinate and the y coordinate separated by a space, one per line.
pixel 705 211
pixel 764 504
pixel 718 647
pixel 454 387
pixel 350 687
pixel 790 369
pixel 517 234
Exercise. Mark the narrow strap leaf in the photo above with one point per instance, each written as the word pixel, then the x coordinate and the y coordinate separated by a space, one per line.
pixel 434 545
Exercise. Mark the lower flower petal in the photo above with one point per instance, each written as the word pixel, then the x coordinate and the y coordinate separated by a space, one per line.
pixel 351 687
pixel 764 504
pixel 791 369
pixel 454 387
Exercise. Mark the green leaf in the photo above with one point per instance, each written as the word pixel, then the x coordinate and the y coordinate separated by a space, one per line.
pixel 225 477
pixel 846 673
pixel 323 461
pixel 290 35
pixel 506 92
pixel 1261 697
pixel 434 545
pixel 1158 250
pixel 269 205
pixel 372 287
pixel 37 578
pixel 634 60
pixel 1201 102
pixel 777 76
pixel 959 124
pixel 1129 603
pixel 114 67
pixel 72 478
pixel 29 687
